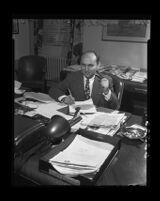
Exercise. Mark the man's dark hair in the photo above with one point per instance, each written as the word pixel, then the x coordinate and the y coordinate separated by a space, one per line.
pixel 88 52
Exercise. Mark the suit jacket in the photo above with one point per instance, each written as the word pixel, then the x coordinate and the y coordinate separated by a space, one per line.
pixel 75 83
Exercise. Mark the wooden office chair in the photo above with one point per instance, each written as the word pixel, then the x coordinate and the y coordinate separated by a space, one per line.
pixel 31 72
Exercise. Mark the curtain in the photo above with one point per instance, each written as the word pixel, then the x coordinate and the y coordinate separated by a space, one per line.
pixel 67 33
pixel 38 33
pixel 76 41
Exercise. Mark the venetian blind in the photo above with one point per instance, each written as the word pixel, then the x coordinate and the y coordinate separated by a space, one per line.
pixel 56 32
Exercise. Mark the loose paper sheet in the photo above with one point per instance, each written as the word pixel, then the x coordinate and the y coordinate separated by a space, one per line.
pixel 50 109
pixel 86 106
pixel 38 96
pixel 17 84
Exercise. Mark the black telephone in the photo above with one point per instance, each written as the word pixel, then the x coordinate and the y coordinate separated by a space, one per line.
pixel 29 132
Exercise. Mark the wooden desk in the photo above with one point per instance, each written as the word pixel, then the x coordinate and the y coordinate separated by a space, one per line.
pixel 137 87
pixel 134 98
pixel 128 168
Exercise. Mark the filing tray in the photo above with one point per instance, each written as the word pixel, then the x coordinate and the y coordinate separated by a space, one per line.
pixel 85 179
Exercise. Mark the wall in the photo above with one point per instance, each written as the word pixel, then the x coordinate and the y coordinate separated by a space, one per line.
pixel 21 40
pixel 54 51
pixel 119 53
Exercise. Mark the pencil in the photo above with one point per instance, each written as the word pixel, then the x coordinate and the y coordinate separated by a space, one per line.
pixel 70 92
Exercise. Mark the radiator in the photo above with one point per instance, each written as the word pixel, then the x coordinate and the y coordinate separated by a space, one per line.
pixel 54 67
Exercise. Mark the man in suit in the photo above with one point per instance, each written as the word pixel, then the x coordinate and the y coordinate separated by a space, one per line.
pixel 86 83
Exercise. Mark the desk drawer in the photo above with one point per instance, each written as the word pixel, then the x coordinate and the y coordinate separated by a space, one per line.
pixel 134 101
pixel 140 90
pixel 136 88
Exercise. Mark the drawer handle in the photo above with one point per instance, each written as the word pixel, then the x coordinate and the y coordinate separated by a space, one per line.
pixel 143 90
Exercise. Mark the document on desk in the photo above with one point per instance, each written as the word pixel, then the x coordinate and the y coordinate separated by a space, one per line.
pixel 81 156
pixel 86 107
pixel 103 119
pixel 104 123
pixel 17 84
pixel 50 109
pixel 139 76
pixel 45 98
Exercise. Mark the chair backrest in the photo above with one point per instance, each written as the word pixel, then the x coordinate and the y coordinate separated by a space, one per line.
pixel 118 86
pixel 31 68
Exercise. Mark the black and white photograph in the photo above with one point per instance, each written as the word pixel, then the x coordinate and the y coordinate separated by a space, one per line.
pixel 80 102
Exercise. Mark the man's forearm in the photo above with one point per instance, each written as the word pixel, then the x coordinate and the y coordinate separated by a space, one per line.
pixel 58 89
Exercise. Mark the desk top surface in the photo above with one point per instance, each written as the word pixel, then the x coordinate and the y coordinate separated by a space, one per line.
pixel 128 169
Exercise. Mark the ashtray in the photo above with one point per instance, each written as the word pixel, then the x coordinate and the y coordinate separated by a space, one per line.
pixel 135 132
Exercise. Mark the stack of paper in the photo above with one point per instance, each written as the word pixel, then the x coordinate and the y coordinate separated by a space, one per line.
pixel 104 123
pixel 81 156
pixel 103 119
pixel 139 76
pixel 17 86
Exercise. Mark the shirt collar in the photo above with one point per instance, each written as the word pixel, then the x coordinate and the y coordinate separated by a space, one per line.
pixel 91 79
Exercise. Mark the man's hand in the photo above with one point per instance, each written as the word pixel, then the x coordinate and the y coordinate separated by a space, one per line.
pixel 69 100
pixel 105 85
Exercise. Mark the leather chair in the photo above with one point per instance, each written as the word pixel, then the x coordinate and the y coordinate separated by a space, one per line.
pixel 118 87
pixel 31 72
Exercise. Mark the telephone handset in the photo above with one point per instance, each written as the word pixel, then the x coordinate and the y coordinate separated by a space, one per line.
pixel 58 127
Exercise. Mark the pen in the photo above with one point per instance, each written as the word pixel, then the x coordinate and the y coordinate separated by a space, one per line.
pixel 70 92
pixel 76 112
pixel 86 113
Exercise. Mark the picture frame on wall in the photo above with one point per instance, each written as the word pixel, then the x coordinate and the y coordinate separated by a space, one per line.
pixel 15 26
pixel 127 31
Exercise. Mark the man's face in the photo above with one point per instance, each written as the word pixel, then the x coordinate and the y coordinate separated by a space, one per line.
pixel 89 65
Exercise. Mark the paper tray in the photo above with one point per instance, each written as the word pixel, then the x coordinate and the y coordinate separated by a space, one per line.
pixel 85 179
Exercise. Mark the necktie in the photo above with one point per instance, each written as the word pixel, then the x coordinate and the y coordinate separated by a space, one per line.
pixel 87 89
